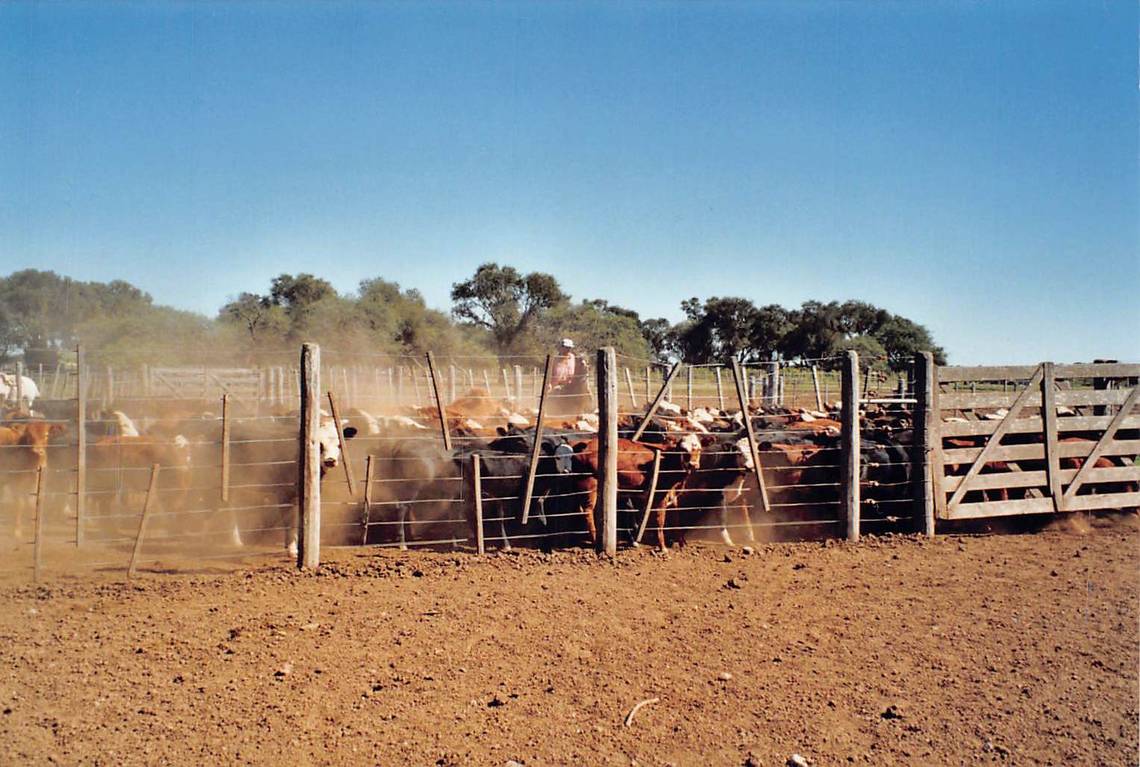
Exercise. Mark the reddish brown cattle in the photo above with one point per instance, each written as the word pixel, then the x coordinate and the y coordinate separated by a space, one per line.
pixel 635 468
pixel 23 451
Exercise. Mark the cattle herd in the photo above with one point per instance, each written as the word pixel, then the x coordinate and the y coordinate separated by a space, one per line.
pixel 690 473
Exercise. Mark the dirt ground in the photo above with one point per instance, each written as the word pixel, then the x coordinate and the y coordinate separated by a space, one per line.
pixel 1015 649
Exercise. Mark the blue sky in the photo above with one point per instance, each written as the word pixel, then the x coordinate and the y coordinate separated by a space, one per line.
pixel 972 166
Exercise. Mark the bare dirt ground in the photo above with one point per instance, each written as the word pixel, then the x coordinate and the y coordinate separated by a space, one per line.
pixel 1017 649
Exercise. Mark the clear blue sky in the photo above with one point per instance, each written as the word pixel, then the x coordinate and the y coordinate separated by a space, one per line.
pixel 971 165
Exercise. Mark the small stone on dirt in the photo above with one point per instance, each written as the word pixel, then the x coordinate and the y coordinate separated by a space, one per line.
pixel 799 566
pixel 284 671
pixel 310 626
pixel 733 583
pixel 724 676
pixel 795 760
pixel 892 712
pixel 747 551
pixel 495 702
pixel 727 557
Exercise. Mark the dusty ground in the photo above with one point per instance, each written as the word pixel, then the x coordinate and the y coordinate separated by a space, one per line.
pixel 1005 649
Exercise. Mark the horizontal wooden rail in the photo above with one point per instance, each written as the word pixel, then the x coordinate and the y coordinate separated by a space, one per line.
pixel 1013 479
pixel 1035 424
pixel 1037 451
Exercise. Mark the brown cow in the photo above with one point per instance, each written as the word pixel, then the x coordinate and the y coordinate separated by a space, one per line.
pixel 635 467
pixel 23 451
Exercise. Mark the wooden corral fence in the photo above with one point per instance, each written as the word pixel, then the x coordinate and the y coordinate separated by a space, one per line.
pixel 1034 439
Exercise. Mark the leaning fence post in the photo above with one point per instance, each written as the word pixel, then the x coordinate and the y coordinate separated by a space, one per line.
pixel 753 447
pixel 536 448
pixel 649 498
pixel 151 493
pixel 921 444
pixel 719 389
pixel 439 402
pixel 608 448
pixel 477 498
pixel 656 403
pixel 346 459
pixel 225 447
pixel 309 474
pixel 37 553
pixel 629 384
pixel 80 445
pixel 849 416
pixel 815 384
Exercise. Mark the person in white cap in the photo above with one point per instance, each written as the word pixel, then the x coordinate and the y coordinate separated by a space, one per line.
pixel 565 364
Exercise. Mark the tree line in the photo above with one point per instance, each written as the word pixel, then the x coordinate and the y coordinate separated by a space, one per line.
pixel 496 311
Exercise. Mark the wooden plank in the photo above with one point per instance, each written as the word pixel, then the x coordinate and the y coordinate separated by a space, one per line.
pixel 1103 501
pixel 1035 424
pixel 653 477
pixel 151 497
pixel 345 456
pixel 951 373
pixel 1103 444
pixel 1018 479
pixel 850 444
pixel 689 387
pixel 1093 397
pixel 80 445
pixel 1129 447
pixel 309 470
pixel 1100 370
pixel 719 389
pixel 443 430
pixel 536 448
pixel 753 445
pixel 1021 401
pixel 923 490
pixel 815 385
pixel 366 509
pixel 1049 421
pixel 656 403
pixel 225 479
pixel 1002 508
pixel 608 448
pixel 477 500
pixel 38 527
pixel 629 385
pixel 964 400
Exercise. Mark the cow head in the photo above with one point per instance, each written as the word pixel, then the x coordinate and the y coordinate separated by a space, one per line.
pixel 743 454
pixel 690 447
pixel 330 444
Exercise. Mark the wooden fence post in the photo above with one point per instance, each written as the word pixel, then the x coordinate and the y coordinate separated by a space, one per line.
pixel 719 389
pixel 608 448
pixel 80 445
pixel 753 447
pixel 518 385
pixel 922 444
pixel 507 385
pixel 38 530
pixel 366 510
pixel 109 395
pixel 487 382
pixel 689 388
pixel 1049 426
pixel 309 474
pixel 151 496
pixel 477 501
pixel 536 448
pixel 851 445
pixel 629 384
pixel 775 388
pixel 451 384
pixel 648 388
pixel 438 402
pixel 226 447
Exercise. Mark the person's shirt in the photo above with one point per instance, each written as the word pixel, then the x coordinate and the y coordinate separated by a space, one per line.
pixel 564 367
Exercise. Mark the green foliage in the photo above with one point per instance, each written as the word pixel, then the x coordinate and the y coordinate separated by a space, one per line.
pixel 506 303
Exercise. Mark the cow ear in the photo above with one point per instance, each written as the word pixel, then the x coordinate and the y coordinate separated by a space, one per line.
pixel 349 432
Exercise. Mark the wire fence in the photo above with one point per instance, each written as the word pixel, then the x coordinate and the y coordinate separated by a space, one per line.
pixel 445 453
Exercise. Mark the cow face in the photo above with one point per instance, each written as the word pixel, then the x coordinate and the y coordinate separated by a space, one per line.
pixel 690 447
pixel 330 444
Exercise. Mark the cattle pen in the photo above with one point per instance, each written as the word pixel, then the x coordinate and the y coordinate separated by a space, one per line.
pixel 161 468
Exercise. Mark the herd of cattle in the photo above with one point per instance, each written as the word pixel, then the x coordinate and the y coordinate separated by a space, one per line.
pixel 690 471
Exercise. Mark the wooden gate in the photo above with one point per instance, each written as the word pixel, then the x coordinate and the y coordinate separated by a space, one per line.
pixel 203 382
pixel 1034 439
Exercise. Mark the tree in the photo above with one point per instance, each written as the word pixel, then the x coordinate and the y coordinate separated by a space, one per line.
pixel 504 302
pixel 658 335
pixel 257 314
pixel 901 339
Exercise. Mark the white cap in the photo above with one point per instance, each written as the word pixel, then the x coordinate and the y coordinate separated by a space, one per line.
pixel 566 342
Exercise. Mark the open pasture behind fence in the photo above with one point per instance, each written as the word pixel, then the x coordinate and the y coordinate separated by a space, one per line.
pixel 158 466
